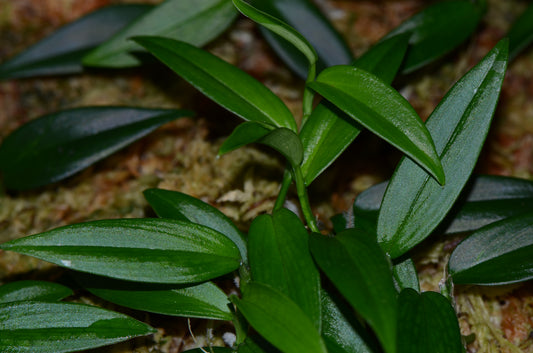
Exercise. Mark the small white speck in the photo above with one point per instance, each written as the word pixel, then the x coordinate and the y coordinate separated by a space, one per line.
pixel 229 338
pixel 66 263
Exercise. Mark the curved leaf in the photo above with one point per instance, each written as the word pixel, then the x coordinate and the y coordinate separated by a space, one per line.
pixel 521 33
pixel 287 143
pixel 359 269
pixel 195 22
pixel 414 204
pixel 436 30
pixel 62 52
pixel 499 253
pixel 382 110
pixel 245 133
pixel 58 145
pixel 176 205
pixel 279 257
pixel 405 275
pixel 306 18
pixel 279 320
pixel 280 28
pixel 224 83
pixel 204 300
pixel 32 327
pixel 427 323
pixel 142 250
pixel 33 290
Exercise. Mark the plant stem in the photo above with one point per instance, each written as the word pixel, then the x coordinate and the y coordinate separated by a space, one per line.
pixel 308 94
pixel 282 195
pixel 304 200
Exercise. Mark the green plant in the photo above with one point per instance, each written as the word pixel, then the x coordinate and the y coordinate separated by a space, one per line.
pixel 165 265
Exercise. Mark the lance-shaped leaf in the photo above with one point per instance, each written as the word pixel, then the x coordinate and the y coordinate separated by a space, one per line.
pixel 427 323
pixel 58 145
pixel 176 205
pixel 306 18
pixel 224 83
pixel 279 257
pixel 414 204
pixel 381 109
pixel 485 199
pixel 62 51
pixel 245 133
pixel 142 250
pixel 405 275
pixel 204 300
pixel 29 326
pixel 341 330
pixel 280 28
pixel 329 131
pixel 195 22
pixel 359 269
pixel 33 290
pixel 436 30
pixel 521 33
pixel 279 320
pixel 499 253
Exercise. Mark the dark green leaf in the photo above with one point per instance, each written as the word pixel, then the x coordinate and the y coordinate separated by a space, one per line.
pixel 436 30
pixel 487 199
pixel 201 301
pixel 385 58
pixel 382 110
pixel 405 275
pixel 256 344
pixel 499 253
pixel 33 290
pixel 427 323
pixel 278 27
pixel 39 327
pixel 359 269
pixel 196 22
pixel 306 18
pixel 142 250
pixel 60 144
pixel 279 320
pixel 341 330
pixel 244 134
pixel 521 33
pixel 63 50
pixel 224 83
pixel 414 204
pixel 176 205
pixel 279 257
pixel 287 143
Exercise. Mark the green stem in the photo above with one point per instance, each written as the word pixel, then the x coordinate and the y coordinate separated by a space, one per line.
pixel 304 200
pixel 282 195
pixel 308 94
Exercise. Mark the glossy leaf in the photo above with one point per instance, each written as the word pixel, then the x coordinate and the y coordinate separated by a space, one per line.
pixel 485 199
pixel 58 145
pixel 278 27
pixel 142 250
pixel 176 205
pixel 62 52
pixel 279 320
pixel 287 143
pixel 427 323
pixel 499 253
pixel 414 204
pixel 245 133
pixel 42 327
pixel 436 30
pixel 33 290
pixel 341 330
pixel 329 131
pixel 204 300
pixel 382 110
pixel 359 269
pixel 405 275
pixel 521 33
pixel 306 18
pixel 224 83
pixel 195 22
pixel 385 58
pixel 279 257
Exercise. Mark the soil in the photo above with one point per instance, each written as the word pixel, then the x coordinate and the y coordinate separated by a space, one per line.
pixel 183 155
